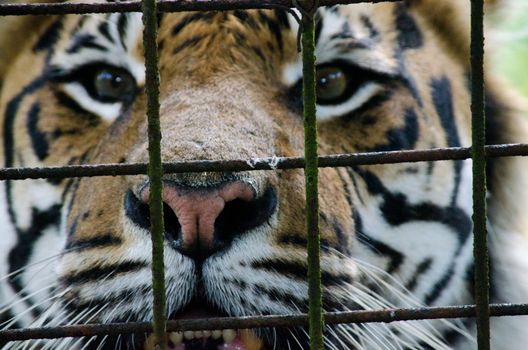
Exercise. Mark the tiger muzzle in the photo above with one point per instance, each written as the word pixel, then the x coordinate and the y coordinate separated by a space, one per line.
pixel 202 221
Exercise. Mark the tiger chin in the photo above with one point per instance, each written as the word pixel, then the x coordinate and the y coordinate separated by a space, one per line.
pixel 390 76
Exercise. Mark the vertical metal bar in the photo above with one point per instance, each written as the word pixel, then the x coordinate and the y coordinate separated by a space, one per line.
pixel 155 171
pixel 478 124
pixel 311 177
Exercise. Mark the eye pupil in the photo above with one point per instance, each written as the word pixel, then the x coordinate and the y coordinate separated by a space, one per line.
pixel 331 84
pixel 114 85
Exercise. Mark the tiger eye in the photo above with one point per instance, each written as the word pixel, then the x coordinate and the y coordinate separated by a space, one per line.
pixel 331 84
pixel 112 84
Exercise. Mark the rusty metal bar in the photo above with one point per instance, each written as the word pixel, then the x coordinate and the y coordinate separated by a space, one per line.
pixel 163 6
pixel 384 316
pixel 271 163
pixel 478 127
pixel 155 171
pixel 311 174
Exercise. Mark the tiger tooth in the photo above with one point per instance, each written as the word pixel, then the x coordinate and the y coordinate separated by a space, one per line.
pixel 216 334
pixel 198 334
pixel 188 335
pixel 229 335
pixel 176 337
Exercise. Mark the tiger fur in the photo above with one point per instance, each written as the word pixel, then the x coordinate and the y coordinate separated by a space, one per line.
pixel 78 250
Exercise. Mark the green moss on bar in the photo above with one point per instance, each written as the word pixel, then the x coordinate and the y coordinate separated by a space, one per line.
pixel 311 176
pixel 155 171
pixel 478 124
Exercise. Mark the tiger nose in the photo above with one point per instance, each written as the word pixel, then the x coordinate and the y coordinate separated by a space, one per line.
pixel 202 221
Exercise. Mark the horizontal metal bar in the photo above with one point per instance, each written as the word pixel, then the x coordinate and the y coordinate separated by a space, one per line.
pixel 272 163
pixel 383 316
pixel 163 6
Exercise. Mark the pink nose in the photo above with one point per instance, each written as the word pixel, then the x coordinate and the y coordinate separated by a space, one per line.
pixel 197 210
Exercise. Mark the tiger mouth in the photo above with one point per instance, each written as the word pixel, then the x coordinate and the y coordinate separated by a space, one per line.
pixel 226 339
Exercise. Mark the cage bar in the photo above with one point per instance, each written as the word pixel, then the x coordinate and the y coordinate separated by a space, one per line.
pixel 270 163
pixel 478 127
pixel 360 316
pixel 155 171
pixel 315 289
pixel 162 5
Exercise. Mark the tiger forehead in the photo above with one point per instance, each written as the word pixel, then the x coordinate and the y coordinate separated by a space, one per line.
pixel 229 36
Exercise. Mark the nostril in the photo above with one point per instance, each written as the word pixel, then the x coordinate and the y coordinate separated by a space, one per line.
pixel 139 213
pixel 240 216
pixel 172 226
pixel 200 222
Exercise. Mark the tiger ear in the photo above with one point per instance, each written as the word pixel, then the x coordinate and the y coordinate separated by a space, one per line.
pixel 14 32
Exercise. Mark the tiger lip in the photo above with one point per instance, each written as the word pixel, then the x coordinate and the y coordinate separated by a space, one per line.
pixel 227 339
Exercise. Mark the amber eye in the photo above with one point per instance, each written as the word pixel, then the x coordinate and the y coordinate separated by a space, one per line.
pixel 114 84
pixel 332 84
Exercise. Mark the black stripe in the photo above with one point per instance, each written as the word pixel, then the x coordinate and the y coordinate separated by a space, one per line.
pixel 38 138
pixel 49 38
pixel 105 31
pixel 318 28
pixel 102 272
pixel 443 102
pixel 68 102
pixel 9 136
pixel 440 285
pixel 344 183
pixel 281 296
pixel 373 31
pixel 409 35
pixel 395 257
pixel 188 43
pixel 5 318
pixel 343 244
pixel 125 296
pixel 122 24
pixel 402 138
pixel 301 242
pixel 441 93
pixel 282 18
pixel 259 53
pixel 243 17
pixel 199 16
pixel 20 254
pixel 299 271
pixel 85 41
pixel 397 210
pixel 137 211
pixel 421 269
pixel 274 26
pixel 101 241
pixel 342 237
pixel 355 186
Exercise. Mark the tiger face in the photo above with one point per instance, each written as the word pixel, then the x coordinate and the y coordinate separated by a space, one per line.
pixel 389 77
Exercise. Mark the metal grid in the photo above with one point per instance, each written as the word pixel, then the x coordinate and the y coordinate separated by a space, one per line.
pixel 478 152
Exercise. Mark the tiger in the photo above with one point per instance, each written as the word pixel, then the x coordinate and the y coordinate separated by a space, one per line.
pixel 389 76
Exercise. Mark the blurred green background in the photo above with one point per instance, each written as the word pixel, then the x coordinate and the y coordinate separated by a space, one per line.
pixel 509 42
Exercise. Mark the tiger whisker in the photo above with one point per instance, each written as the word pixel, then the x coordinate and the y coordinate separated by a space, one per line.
pixel 45 260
